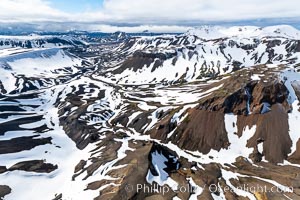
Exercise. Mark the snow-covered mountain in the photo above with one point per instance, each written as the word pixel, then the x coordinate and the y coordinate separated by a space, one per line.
pixel 244 32
pixel 214 110
pixel 206 52
pixel 38 41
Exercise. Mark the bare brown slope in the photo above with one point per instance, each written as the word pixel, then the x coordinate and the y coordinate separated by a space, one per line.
pixel 202 131
pixel 139 59
pixel 204 127
pixel 272 130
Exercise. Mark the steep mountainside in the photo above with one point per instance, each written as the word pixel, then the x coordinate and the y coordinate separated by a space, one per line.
pixel 209 114
pixel 198 54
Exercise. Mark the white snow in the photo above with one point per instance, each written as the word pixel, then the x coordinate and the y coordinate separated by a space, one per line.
pixel 208 56
pixel 215 32
pixel 290 76
pixel 58 181
pixel 255 77
pixel 41 62
pixel 37 63
pixel 294 119
pixel 227 175
pixel 158 161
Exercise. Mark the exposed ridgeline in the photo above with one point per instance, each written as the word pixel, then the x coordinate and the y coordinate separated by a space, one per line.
pixel 205 53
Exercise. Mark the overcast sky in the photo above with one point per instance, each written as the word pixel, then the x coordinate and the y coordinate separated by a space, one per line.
pixel 140 14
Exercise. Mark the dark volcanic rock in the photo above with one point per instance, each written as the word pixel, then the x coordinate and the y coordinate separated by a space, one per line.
pixel 253 94
pixel 2 169
pixel 13 125
pixel 58 197
pixel 77 129
pixel 138 162
pixel 139 59
pixel 256 156
pixel 108 153
pixel 34 166
pixel 22 143
pixel 138 123
pixel 171 164
pixel 80 166
pixel 296 87
pixel 271 92
pixel 202 130
pixel 4 190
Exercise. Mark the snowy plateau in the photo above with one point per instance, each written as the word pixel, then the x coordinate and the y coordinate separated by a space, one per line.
pixel 215 109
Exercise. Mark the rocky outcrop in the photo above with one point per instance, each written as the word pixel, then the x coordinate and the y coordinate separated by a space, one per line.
pixel 14 124
pixel 136 163
pixel 75 127
pixel 22 143
pixel 139 163
pixel 272 130
pixel 3 169
pixel 242 96
pixel 39 166
pixel 203 131
pixel 295 156
pixel 4 190
pixel 139 59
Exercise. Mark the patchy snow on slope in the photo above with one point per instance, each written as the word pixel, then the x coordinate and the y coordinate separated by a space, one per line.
pixel 197 190
pixel 158 161
pixel 227 175
pixel 221 195
pixel 255 77
pixel 9 51
pixel 294 119
pixel 7 79
pixel 202 59
pixel 291 78
pixel 236 148
pixel 237 144
pixel 62 152
pixel 154 116
pixel 40 63
pixel 37 63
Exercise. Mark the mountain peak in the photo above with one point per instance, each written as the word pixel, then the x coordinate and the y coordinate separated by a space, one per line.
pixel 216 32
